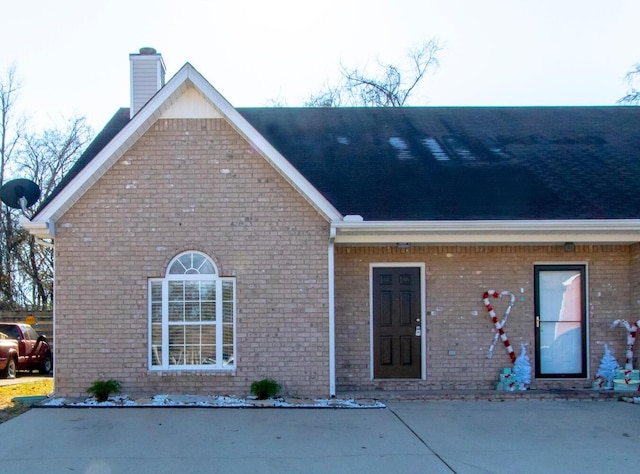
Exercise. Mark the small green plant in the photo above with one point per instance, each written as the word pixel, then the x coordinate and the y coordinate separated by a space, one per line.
pixel 101 389
pixel 265 388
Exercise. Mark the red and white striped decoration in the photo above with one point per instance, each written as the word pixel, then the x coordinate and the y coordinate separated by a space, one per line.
pixel 511 380
pixel 627 376
pixel 632 332
pixel 599 380
pixel 499 325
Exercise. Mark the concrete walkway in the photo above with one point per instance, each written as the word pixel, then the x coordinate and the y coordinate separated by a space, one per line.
pixel 407 437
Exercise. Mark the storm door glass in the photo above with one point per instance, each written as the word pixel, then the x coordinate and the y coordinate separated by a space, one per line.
pixel 560 315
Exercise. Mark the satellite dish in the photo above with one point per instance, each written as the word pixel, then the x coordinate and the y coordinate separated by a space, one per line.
pixel 20 193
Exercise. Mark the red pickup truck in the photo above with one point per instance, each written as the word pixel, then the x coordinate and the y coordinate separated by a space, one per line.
pixel 21 348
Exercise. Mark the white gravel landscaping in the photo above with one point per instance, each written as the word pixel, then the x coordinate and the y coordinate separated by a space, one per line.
pixel 213 402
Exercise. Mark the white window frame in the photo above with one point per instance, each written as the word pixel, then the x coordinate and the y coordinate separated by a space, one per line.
pixel 191 275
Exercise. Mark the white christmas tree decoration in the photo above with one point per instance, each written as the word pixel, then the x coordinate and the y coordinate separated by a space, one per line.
pixel 522 369
pixel 632 332
pixel 607 370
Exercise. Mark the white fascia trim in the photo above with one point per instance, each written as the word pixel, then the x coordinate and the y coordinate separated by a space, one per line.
pixel 279 162
pixel 488 232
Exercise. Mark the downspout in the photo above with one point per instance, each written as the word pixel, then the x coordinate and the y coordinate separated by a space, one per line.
pixel 332 314
pixel 53 309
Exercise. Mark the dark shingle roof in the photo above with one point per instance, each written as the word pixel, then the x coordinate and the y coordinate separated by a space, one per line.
pixel 446 163
pixel 464 163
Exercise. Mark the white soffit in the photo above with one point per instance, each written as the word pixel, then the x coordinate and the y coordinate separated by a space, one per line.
pixel 192 105
pixel 38 229
pixel 613 231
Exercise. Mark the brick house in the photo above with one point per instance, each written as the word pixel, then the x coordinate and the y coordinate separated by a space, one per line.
pixel 200 247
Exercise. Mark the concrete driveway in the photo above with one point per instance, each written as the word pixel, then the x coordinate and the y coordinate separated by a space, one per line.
pixel 407 437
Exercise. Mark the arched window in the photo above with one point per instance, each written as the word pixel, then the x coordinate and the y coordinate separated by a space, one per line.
pixel 192 316
pixel 192 263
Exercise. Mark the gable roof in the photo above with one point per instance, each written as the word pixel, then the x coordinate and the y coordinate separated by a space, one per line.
pixel 419 164
pixel 424 174
pixel 120 135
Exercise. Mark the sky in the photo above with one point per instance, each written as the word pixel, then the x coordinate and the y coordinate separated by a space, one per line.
pixel 72 56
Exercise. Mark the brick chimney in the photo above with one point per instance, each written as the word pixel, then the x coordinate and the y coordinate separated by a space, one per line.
pixel 147 77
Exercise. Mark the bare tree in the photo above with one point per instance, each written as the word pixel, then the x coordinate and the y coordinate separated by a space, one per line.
pixel 10 136
pixel 391 86
pixel 632 78
pixel 45 158
pixel 26 268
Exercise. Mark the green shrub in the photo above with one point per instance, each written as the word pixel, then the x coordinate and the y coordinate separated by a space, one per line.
pixel 265 388
pixel 101 389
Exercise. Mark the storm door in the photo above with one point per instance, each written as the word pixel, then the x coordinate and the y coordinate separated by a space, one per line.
pixel 397 329
pixel 561 321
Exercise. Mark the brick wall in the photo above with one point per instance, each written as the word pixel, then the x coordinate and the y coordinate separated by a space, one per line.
pixel 457 320
pixel 191 185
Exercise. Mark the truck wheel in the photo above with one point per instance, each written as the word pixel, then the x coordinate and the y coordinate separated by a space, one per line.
pixel 9 371
pixel 46 366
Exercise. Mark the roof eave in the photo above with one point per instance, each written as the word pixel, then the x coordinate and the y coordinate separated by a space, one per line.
pixel 526 232
pixel 40 230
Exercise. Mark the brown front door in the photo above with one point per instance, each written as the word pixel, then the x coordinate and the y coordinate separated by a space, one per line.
pixel 396 322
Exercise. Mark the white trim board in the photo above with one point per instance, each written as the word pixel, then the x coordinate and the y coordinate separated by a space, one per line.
pixel 604 231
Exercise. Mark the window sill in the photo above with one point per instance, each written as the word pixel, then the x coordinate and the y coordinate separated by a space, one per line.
pixel 198 372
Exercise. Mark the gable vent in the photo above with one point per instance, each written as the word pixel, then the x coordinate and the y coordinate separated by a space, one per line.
pixel 147 77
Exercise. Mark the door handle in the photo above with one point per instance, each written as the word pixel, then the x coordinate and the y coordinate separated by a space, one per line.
pixel 537 321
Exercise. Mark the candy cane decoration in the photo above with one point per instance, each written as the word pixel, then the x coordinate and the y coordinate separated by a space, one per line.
pixel 499 325
pixel 632 332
